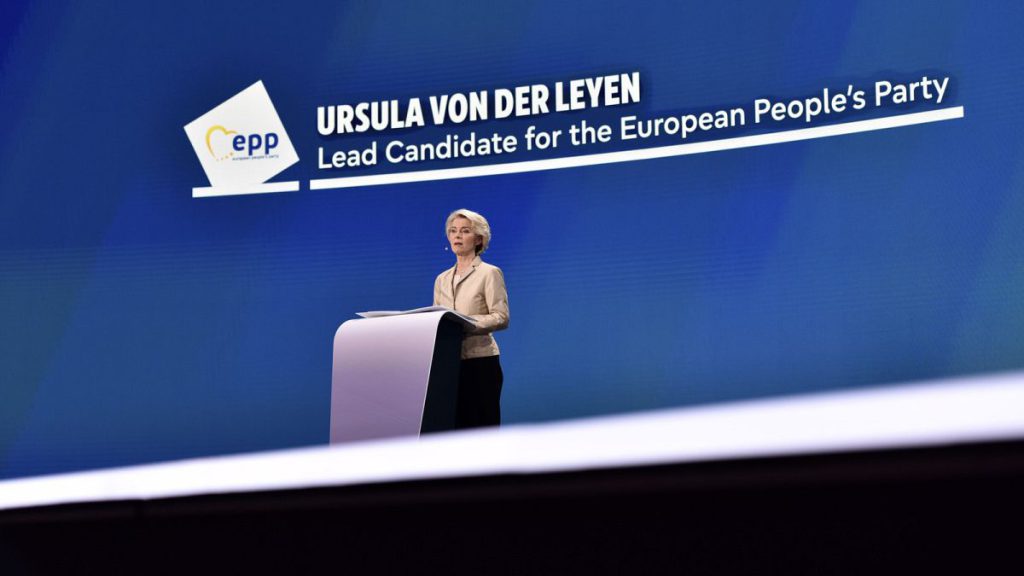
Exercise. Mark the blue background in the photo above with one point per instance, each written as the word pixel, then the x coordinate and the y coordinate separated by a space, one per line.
pixel 140 324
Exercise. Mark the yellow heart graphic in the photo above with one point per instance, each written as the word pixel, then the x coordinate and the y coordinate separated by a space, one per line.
pixel 209 145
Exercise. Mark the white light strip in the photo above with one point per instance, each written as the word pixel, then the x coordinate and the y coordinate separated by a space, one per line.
pixel 984 408
pixel 210 191
pixel 645 153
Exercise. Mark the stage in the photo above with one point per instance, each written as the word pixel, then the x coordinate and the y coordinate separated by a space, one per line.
pixel 913 476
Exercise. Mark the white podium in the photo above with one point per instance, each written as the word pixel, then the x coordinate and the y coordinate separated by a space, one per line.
pixel 395 375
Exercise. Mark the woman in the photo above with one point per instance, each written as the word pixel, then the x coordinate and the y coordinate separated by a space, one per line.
pixel 475 289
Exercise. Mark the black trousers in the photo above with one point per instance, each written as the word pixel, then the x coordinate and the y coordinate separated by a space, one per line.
pixel 479 401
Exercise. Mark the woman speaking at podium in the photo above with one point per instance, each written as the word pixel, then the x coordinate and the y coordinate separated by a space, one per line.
pixel 476 289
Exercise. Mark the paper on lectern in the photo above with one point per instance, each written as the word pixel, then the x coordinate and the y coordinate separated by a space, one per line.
pixel 382 313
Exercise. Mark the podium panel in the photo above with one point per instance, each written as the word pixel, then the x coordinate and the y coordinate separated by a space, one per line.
pixel 395 376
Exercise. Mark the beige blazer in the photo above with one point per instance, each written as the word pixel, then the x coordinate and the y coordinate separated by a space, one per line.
pixel 481 294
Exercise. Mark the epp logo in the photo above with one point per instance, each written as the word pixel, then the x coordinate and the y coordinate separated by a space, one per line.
pixel 249 144
pixel 241 143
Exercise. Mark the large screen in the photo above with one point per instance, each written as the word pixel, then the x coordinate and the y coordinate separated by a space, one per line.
pixel 691 203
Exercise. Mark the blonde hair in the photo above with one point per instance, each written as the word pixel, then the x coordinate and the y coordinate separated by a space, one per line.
pixel 480 226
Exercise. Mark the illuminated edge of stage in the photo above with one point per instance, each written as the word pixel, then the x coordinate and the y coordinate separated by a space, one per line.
pixel 936 413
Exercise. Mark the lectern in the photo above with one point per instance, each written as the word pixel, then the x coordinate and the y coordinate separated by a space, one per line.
pixel 395 375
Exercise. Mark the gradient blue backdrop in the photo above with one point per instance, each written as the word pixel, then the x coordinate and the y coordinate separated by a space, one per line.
pixel 140 324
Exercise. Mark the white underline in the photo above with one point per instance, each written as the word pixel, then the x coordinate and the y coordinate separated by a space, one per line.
pixel 644 153
pixel 209 191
